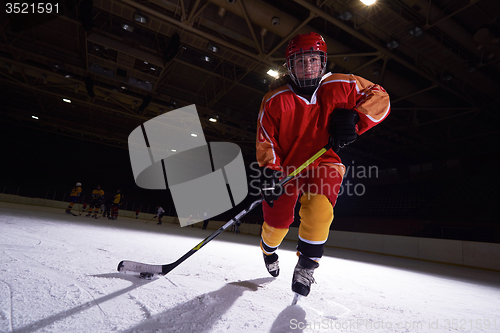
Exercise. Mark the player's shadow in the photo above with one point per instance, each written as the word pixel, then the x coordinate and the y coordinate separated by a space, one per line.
pixel 201 313
pixel 291 319
pixel 136 283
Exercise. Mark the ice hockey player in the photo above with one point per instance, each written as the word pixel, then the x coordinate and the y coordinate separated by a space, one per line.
pixel 117 201
pixel 73 196
pixel 106 206
pixel 295 121
pixel 159 213
pixel 97 197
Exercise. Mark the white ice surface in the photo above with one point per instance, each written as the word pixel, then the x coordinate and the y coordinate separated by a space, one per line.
pixel 58 274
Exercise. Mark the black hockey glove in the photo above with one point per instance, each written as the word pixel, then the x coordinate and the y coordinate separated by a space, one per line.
pixel 342 128
pixel 269 186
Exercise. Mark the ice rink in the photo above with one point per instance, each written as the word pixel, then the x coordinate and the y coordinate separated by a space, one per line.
pixel 58 274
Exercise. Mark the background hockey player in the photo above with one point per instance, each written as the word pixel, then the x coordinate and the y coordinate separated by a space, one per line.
pixel 97 197
pixel 295 121
pixel 73 197
pixel 106 206
pixel 159 213
pixel 117 201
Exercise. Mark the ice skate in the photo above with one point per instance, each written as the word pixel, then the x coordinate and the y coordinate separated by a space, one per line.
pixel 303 275
pixel 272 264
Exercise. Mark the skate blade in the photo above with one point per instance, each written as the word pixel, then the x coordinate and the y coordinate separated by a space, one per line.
pixel 296 298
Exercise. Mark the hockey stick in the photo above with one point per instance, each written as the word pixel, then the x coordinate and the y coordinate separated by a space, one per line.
pixel 148 269
pixel 149 219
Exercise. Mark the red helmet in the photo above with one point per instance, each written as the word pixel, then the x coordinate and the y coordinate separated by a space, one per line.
pixel 305 42
pixel 300 48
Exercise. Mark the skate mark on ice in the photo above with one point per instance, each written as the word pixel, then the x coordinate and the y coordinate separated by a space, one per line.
pixel 5 307
pixel 11 241
pixel 74 289
pixel 143 307
pixel 37 325
pixel 171 282
pixel 201 313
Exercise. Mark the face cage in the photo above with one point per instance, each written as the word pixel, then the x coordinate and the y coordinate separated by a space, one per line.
pixel 305 83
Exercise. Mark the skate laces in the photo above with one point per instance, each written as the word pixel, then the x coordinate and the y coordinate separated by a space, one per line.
pixel 303 275
pixel 274 266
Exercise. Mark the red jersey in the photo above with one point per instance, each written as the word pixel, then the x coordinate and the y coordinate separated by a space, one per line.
pixel 291 129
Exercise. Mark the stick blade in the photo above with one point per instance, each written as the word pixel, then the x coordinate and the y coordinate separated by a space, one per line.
pixel 138 267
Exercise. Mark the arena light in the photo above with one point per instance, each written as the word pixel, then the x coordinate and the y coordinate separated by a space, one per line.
pixel 66 100
pixel 368 2
pixel 140 18
pixel 127 27
pixel 273 73
pixel 194 135
pixel 35 117
pixel 213 120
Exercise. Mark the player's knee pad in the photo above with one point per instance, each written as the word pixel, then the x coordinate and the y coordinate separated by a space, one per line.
pixel 271 238
pixel 316 215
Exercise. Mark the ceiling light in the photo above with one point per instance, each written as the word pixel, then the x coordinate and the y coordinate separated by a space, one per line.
pixel 345 16
pixel 34 117
pixel 67 76
pixel 206 58
pixel 194 135
pixel 212 48
pixel 66 100
pixel 174 150
pixel 127 27
pixel 171 104
pixel 368 2
pixel 447 77
pixel 213 120
pixel 140 18
pixel 273 73
pixel 393 44
pixel 416 31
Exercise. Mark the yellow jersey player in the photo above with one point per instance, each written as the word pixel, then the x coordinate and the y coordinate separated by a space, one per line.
pixel 97 196
pixel 117 201
pixel 73 197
